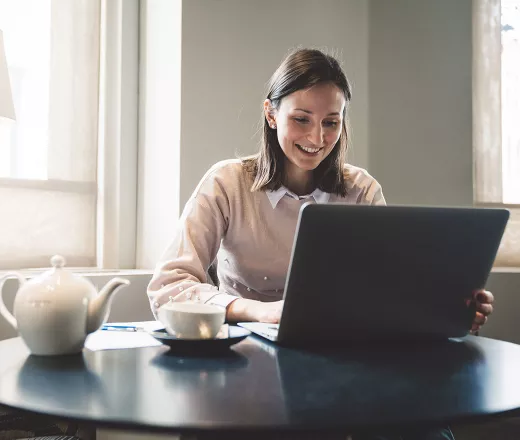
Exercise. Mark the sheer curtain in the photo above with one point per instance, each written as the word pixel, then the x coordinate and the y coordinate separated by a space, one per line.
pixel 496 112
pixel 48 157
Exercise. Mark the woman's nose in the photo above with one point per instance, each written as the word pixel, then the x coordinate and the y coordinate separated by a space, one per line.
pixel 316 135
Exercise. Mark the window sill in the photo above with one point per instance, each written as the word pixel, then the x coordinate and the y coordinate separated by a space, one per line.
pixel 84 271
pixel 505 269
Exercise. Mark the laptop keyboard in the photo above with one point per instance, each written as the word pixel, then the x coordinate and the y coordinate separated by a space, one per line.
pixel 269 331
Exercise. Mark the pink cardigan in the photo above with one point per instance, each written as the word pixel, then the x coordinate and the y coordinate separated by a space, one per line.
pixel 250 234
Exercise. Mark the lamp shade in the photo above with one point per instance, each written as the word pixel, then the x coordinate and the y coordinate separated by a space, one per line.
pixel 6 98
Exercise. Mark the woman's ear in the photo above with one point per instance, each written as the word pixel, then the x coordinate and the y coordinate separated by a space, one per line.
pixel 269 113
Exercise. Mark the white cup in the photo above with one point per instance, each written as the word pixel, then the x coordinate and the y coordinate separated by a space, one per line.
pixel 190 320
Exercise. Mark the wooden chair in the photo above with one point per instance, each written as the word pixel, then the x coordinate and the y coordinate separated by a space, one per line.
pixel 18 425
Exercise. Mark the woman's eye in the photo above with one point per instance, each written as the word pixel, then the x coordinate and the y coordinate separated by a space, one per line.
pixel 301 120
pixel 330 123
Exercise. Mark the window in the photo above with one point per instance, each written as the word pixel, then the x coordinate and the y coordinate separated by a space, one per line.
pixel 496 112
pixel 48 156
pixel 68 165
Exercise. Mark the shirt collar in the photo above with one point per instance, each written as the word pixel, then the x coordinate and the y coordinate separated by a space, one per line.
pixel 275 196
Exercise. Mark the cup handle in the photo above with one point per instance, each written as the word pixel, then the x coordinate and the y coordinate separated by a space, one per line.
pixel 3 309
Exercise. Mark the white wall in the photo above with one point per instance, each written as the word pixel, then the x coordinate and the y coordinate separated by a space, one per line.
pixel 230 48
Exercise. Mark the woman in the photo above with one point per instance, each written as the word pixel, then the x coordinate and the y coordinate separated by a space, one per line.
pixel 243 213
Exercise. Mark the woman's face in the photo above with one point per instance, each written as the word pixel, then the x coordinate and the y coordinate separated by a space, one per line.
pixel 308 124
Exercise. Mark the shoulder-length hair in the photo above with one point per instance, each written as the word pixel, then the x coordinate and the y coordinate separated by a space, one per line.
pixel 301 70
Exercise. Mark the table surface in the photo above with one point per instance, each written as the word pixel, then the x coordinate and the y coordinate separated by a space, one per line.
pixel 259 386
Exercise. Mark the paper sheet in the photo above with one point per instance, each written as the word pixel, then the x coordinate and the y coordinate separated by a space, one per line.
pixel 113 340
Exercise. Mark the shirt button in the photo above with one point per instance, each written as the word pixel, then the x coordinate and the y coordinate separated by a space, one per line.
pixel 265 278
pixel 181 289
pixel 248 289
pixel 156 304
pixel 234 285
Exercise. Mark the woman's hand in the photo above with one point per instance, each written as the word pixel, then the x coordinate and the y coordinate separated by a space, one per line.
pixel 250 310
pixel 269 311
pixel 484 302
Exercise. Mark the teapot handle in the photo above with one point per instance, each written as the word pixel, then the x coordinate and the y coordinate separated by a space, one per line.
pixel 3 309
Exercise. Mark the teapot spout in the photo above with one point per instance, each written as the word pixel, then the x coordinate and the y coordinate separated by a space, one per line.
pixel 99 307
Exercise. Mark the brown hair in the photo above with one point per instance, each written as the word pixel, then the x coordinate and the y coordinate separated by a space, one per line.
pixel 302 69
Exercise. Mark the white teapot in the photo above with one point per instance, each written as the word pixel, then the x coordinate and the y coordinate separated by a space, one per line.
pixel 54 312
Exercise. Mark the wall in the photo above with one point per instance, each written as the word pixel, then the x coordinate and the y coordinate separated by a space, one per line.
pixel 420 122
pixel 230 48
pixel 503 324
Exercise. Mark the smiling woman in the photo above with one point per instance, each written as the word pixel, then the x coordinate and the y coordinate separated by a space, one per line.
pixel 242 215
pixel 305 122
pixel 308 124
pixel 244 212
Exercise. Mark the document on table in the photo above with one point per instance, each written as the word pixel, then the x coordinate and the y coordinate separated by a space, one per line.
pixel 118 337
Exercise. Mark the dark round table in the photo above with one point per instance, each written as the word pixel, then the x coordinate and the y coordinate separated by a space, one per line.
pixel 258 387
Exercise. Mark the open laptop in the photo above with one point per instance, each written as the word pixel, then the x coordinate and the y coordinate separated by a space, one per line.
pixel 362 272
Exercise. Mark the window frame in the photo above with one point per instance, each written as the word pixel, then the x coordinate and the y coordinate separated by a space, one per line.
pixel 487 122
pixel 118 135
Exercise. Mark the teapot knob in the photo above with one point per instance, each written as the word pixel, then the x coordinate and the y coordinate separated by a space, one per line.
pixel 57 261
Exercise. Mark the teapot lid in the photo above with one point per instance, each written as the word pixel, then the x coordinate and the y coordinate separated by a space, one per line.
pixel 59 276
pixel 57 261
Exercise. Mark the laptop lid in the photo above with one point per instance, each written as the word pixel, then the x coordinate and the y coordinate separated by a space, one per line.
pixel 364 272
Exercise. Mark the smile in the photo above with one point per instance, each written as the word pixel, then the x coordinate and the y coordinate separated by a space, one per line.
pixel 307 149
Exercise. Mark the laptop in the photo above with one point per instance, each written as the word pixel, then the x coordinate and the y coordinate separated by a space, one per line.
pixel 361 273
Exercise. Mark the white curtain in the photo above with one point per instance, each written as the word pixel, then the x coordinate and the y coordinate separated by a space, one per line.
pixel 48 157
pixel 496 131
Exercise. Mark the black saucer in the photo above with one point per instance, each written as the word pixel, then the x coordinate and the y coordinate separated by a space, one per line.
pixel 236 334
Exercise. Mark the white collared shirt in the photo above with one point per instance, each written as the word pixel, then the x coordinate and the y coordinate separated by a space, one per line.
pixel 275 196
pixel 249 234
